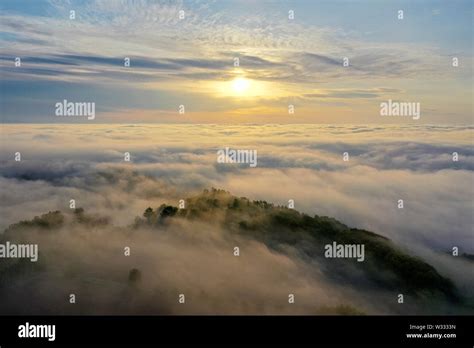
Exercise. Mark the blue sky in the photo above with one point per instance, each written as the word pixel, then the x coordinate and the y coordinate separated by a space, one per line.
pixel 190 61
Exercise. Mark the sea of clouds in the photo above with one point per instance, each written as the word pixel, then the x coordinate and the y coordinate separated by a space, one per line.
pixel 299 162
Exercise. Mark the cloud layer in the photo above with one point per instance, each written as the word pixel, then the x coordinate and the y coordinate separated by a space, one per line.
pixel 302 163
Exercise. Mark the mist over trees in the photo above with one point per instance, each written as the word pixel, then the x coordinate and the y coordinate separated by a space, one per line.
pixel 191 247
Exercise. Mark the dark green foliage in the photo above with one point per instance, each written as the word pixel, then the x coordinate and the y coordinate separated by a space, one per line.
pixel 235 204
pixel 47 222
pixel 90 220
pixel 167 211
pixel 148 214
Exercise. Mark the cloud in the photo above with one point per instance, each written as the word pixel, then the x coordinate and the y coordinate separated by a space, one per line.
pixel 352 93
pixel 173 162
pixel 385 164
pixel 166 50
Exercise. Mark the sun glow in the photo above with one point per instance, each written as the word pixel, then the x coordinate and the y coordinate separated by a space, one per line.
pixel 240 85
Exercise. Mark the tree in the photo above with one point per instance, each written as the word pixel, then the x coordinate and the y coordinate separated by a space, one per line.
pixel 148 214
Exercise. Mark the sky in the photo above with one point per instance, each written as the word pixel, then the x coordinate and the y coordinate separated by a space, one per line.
pixel 190 61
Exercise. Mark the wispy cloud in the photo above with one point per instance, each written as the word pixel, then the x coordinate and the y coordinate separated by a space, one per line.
pixel 169 54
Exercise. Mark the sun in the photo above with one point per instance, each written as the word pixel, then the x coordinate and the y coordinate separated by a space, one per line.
pixel 240 85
